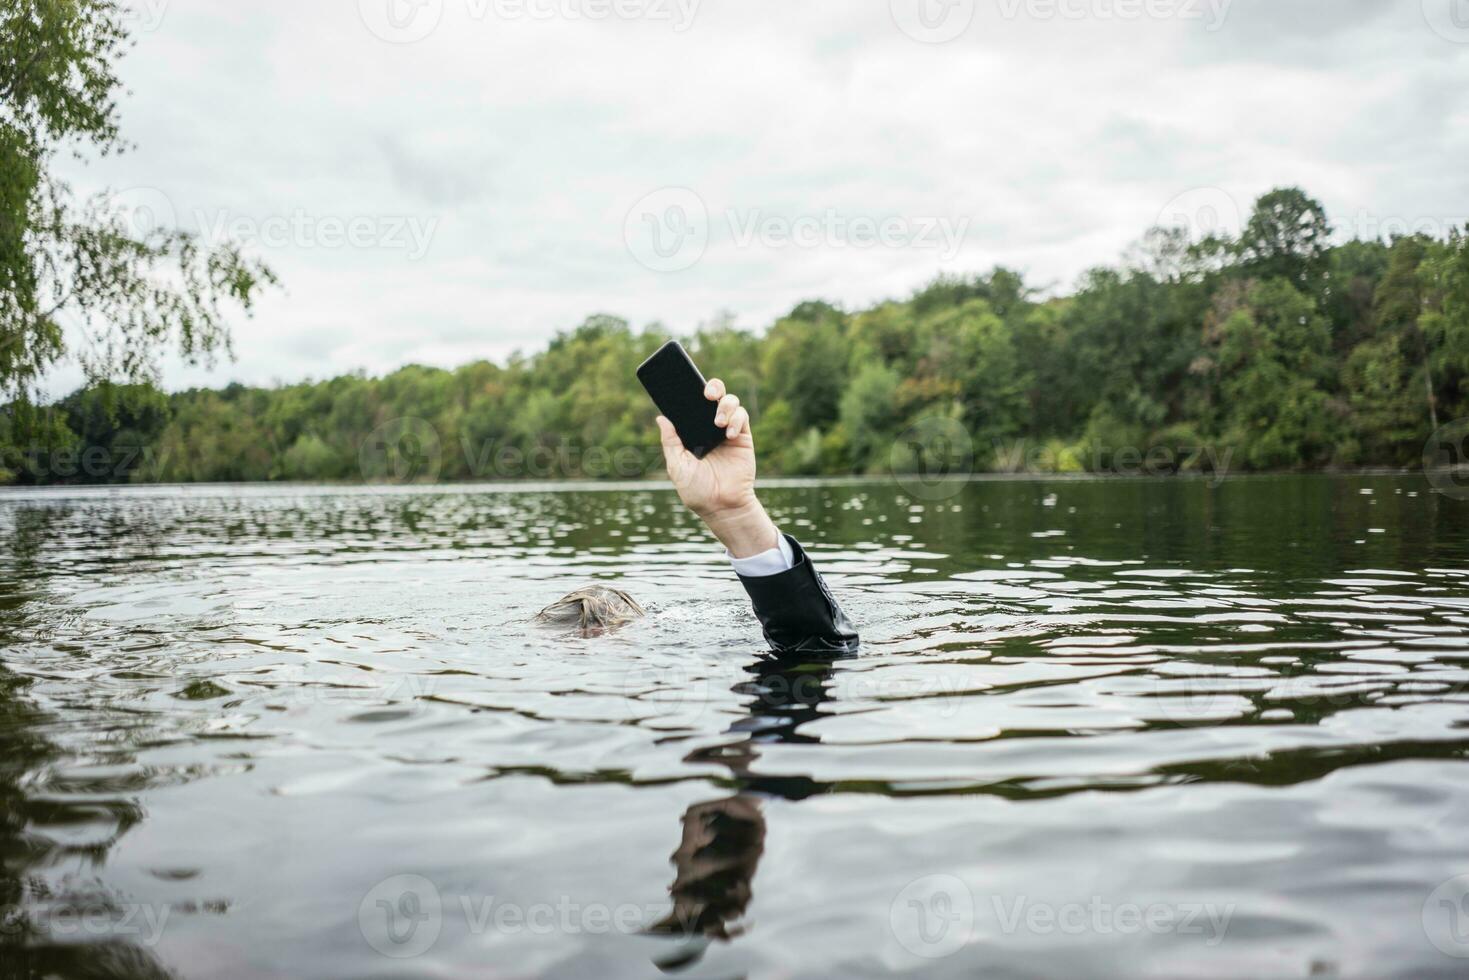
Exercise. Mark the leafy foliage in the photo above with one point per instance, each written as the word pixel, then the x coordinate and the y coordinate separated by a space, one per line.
pixel 1275 351
pixel 86 267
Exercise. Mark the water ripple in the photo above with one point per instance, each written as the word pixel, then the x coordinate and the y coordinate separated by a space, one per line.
pixel 253 707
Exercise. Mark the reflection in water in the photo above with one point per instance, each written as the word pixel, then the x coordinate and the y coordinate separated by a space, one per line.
pixel 245 709
pixel 56 917
pixel 724 838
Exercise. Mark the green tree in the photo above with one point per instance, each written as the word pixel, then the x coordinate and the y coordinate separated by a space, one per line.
pixel 969 351
pixel 64 261
pixel 1287 237
pixel 805 363
pixel 1354 270
pixel 870 414
pixel 1388 412
pixel 1274 360
pixel 1444 273
pixel 1133 342
pixel 1181 345
pixel 1388 377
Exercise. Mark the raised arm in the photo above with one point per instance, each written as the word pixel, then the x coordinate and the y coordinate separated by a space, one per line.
pixel 794 606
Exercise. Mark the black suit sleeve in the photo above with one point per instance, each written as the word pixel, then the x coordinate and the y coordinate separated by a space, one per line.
pixel 798 612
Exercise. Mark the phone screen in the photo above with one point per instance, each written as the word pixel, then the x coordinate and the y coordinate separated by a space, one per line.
pixel 677 388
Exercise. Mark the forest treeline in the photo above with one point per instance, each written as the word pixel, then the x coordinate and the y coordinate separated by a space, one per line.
pixel 1273 350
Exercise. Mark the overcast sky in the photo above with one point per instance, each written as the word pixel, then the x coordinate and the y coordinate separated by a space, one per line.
pixel 437 181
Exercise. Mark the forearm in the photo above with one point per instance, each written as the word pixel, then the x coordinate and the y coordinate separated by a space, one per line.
pixel 744 529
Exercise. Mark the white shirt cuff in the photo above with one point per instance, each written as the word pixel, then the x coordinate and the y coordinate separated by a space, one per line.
pixel 772 562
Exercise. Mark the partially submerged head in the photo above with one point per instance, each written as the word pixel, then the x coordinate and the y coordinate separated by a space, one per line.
pixel 593 608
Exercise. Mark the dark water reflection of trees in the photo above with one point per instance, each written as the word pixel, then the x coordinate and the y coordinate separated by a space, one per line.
pixel 56 917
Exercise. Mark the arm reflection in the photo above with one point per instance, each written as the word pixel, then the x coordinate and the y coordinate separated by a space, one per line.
pixel 724 838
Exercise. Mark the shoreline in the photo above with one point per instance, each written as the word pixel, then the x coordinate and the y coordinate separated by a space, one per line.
pixel 656 482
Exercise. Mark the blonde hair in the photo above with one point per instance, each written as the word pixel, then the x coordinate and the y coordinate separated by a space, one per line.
pixel 593 607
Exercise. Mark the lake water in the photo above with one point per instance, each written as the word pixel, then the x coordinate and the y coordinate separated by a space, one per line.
pixel 1113 728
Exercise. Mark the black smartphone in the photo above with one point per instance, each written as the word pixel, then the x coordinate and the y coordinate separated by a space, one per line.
pixel 677 389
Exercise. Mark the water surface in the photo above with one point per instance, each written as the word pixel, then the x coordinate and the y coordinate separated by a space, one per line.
pixel 1097 728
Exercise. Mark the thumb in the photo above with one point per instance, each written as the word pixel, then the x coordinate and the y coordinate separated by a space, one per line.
pixel 672 445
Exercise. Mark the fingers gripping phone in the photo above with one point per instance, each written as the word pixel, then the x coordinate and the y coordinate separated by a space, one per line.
pixel 677 388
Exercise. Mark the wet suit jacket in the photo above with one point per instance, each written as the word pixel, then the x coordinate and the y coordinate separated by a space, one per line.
pixel 797 611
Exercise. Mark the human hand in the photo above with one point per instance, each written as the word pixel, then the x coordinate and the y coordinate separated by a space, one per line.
pixel 720 488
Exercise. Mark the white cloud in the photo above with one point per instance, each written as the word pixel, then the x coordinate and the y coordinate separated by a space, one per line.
pixel 1056 139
